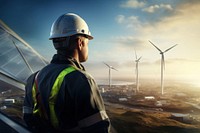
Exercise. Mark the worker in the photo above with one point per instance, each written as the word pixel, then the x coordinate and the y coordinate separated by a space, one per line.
pixel 63 97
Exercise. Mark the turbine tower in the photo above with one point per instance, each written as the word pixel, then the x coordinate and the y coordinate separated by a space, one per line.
pixel 110 67
pixel 162 64
pixel 137 60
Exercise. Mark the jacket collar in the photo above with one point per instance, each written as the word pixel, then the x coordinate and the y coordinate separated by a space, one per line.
pixel 60 59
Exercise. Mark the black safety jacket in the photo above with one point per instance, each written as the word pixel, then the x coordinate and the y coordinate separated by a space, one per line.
pixel 78 107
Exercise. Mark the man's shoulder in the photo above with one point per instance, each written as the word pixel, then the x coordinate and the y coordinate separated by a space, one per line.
pixel 54 68
pixel 85 74
pixel 58 68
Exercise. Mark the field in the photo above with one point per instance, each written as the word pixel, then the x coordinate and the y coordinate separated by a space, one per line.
pixel 124 121
pixel 179 113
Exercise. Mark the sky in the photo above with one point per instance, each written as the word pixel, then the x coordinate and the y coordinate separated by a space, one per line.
pixel 119 27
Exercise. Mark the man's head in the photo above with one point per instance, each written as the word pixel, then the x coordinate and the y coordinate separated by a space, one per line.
pixel 70 33
pixel 75 46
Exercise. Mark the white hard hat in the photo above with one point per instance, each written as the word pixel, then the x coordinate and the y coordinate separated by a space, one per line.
pixel 69 24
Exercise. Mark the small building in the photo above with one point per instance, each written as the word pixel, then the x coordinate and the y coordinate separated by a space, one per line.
pixel 158 103
pixel 3 107
pixel 180 95
pixel 149 98
pixel 9 101
pixel 102 90
pixel 123 99
pixel 180 117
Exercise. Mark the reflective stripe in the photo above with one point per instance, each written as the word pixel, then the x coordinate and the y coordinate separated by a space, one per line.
pixel 27 110
pixel 34 93
pixel 93 119
pixel 52 98
pixel 54 93
pixel 35 108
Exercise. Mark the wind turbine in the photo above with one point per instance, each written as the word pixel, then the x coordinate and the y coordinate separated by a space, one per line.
pixel 137 60
pixel 110 67
pixel 162 64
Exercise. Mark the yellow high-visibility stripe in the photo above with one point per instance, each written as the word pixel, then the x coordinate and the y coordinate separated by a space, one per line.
pixel 35 109
pixel 54 93
pixel 53 96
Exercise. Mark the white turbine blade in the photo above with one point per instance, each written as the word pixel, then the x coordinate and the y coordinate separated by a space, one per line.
pixel 155 46
pixel 107 65
pixel 170 48
pixel 110 67
pixel 135 55
pixel 139 58
pixel 114 68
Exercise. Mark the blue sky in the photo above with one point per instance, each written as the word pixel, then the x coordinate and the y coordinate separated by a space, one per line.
pixel 118 27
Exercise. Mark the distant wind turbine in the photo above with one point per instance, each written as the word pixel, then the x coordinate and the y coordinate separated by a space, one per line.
pixel 162 64
pixel 110 67
pixel 137 60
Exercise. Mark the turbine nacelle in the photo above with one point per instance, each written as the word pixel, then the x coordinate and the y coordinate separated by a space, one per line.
pixel 138 60
pixel 110 67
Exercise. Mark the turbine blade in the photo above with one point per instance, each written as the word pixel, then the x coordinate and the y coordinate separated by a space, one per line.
pixel 139 58
pixel 170 48
pixel 156 47
pixel 110 67
pixel 106 64
pixel 135 55
pixel 114 69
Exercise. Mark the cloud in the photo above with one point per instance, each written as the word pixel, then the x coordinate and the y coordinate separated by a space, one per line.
pixel 132 4
pixel 120 19
pixel 181 26
pixel 128 41
pixel 129 22
pixel 154 8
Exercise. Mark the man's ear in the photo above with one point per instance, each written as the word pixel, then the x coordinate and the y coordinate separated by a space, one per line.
pixel 79 43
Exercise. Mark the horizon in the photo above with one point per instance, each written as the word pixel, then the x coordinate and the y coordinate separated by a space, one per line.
pixel 146 81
